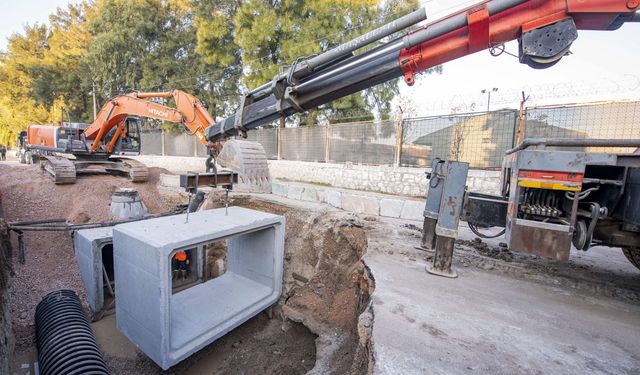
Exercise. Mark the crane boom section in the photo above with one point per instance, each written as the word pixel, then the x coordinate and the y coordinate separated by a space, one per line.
pixel 545 30
pixel 484 28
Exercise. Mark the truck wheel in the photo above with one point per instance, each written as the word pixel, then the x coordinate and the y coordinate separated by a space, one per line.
pixel 633 254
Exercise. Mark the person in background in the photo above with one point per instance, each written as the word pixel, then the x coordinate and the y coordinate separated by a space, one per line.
pixel 180 263
pixel 3 152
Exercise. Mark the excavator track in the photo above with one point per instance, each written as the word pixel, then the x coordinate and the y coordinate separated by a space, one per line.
pixel 60 170
pixel 138 172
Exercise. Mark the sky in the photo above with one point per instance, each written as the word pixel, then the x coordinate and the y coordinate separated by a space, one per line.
pixel 15 14
pixel 603 66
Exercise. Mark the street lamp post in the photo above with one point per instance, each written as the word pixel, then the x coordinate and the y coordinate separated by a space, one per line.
pixel 488 92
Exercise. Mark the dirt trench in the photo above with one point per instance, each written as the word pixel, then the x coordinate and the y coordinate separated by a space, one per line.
pixel 6 342
pixel 320 325
pixel 326 286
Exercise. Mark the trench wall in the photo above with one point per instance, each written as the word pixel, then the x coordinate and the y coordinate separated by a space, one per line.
pixel 6 343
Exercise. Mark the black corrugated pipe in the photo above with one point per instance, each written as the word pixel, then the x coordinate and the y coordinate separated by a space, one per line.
pixel 196 202
pixel 66 344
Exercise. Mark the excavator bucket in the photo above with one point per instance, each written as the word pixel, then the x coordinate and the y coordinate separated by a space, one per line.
pixel 249 160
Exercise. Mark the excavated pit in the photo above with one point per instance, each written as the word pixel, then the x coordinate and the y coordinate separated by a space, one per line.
pixel 320 324
pixel 326 286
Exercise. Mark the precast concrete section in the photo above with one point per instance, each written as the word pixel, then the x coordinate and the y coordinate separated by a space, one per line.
pixel 89 245
pixel 170 325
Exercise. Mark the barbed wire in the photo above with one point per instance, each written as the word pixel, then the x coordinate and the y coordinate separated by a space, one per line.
pixel 627 86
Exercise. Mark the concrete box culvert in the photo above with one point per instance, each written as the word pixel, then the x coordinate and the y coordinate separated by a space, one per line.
pixel 94 255
pixel 170 326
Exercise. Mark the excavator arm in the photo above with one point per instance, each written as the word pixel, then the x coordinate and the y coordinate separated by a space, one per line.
pixel 189 112
pixel 545 30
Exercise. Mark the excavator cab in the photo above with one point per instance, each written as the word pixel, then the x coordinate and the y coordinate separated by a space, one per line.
pixel 130 142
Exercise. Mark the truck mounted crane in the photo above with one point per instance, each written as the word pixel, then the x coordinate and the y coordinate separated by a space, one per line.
pixel 545 30
pixel 115 131
pixel 550 199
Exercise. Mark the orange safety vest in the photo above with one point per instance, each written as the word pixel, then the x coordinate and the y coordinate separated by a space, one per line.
pixel 181 256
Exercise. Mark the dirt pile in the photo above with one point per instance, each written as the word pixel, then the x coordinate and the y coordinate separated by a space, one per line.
pixel 50 262
pixel 495 252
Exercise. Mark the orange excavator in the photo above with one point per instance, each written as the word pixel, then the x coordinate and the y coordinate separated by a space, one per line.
pixel 98 147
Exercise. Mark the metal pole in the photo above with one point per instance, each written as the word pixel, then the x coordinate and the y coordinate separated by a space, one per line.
pixel 368 38
pixel 162 135
pixel 327 144
pixel 279 137
pixel 95 103
pixel 521 119
pixel 399 131
pixel 195 147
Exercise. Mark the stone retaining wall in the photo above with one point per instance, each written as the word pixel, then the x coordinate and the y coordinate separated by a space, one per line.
pixel 401 181
pixel 353 201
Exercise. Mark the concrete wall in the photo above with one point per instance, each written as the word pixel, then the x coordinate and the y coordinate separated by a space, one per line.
pixel 403 181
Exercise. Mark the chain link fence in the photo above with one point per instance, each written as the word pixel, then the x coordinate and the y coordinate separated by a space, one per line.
pixel 362 142
pixel 479 139
pixel 156 141
pixel 303 143
pixel 268 137
pixel 610 120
